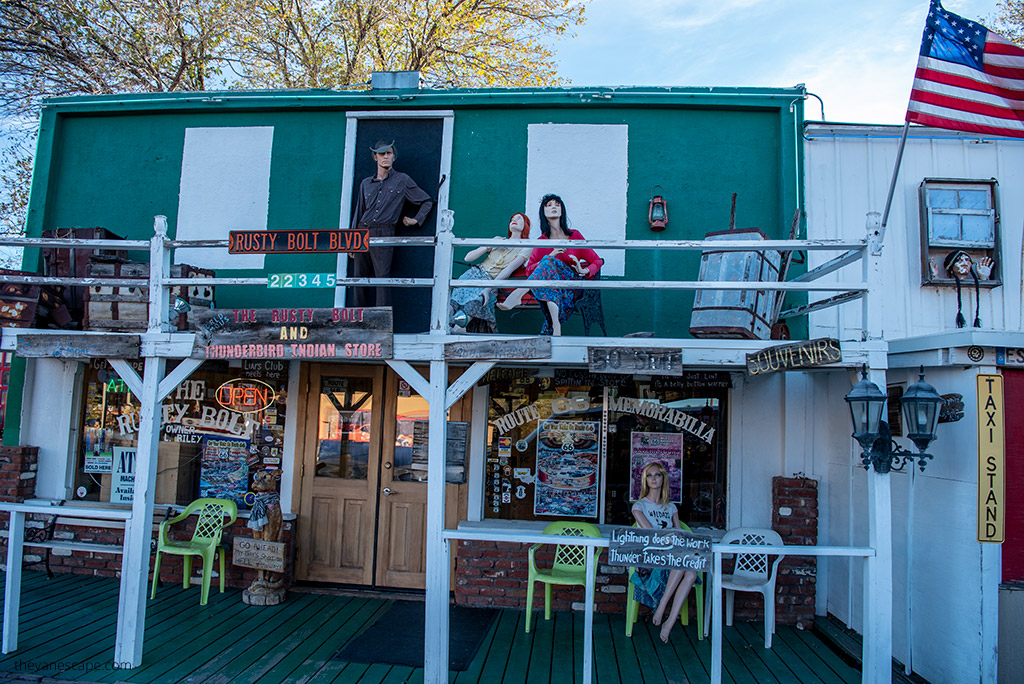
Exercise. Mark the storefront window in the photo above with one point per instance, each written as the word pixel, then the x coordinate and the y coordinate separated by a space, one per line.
pixel 220 426
pixel 573 445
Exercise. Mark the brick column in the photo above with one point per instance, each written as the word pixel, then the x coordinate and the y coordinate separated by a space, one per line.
pixel 795 518
pixel 18 472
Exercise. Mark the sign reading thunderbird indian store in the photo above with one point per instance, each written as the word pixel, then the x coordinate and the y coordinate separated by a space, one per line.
pixel 350 333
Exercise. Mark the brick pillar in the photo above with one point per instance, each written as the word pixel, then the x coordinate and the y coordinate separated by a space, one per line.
pixel 795 518
pixel 18 472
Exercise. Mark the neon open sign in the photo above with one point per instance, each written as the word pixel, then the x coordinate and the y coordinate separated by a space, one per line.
pixel 246 395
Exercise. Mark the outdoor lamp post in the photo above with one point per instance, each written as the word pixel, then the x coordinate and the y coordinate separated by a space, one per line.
pixel 920 405
pixel 657 212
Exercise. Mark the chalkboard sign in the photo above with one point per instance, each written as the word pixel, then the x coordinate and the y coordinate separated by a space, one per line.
pixel 649 548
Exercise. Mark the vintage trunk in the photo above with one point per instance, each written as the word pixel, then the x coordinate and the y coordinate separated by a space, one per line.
pixel 65 262
pixel 31 306
pixel 126 309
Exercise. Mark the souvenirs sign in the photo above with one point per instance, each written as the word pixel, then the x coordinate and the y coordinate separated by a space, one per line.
pixel 632 360
pixel 650 548
pixel 991 459
pixel 794 356
pixel 298 241
pixel 350 334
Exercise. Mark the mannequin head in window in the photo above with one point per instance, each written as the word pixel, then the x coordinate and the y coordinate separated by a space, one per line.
pixel 654 481
pixel 552 210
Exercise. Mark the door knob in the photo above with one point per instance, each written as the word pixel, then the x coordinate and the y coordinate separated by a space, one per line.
pixel 386 491
pixel 387 465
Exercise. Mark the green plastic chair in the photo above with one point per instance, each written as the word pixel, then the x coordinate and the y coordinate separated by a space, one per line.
pixel 569 568
pixel 632 607
pixel 205 541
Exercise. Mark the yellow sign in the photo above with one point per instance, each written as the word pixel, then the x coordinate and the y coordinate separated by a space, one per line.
pixel 991 459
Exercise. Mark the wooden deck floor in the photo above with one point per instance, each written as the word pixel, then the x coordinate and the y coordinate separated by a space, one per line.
pixel 68 625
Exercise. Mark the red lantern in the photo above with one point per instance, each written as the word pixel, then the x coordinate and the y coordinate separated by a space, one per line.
pixel 657 213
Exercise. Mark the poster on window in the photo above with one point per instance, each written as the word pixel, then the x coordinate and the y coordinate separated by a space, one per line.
pixel 567 466
pixel 665 448
pixel 224 472
pixel 122 482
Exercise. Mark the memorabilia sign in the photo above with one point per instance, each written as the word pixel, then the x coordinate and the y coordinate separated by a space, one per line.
pixel 258 554
pixel 633 360
pixel 649 548
pixel 299 333
pixel 991 459
pixel 298 241
pixel 530 348
pixel 108 346
pixel 302 280
pixel 807 354
pixel 652 409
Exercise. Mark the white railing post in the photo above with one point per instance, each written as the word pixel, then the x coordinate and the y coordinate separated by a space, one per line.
pixel 443 261
pixel 716 618
pixel 159 268
pixel 588 619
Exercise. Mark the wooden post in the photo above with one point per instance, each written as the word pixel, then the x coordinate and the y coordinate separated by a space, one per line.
pixel 131 610
pixel 435 645
pixel 12 588
pixel 877 666
pixel 716 618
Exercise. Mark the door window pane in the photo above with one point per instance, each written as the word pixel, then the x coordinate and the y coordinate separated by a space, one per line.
pixel 343 444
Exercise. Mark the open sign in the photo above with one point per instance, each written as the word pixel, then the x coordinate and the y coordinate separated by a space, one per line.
pixel 246 395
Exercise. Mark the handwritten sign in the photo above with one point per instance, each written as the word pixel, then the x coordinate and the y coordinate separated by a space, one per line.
pixel 73 346
pixel 632 360
pixel 294 333
pixel 530 348
pixel 806 354
pixel 258 554
pixel 298 241
pixel 649 548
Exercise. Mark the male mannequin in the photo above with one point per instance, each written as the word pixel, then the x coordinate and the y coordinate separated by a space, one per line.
pixel 379 202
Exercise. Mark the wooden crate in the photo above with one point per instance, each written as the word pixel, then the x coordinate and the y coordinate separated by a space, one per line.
pixel 126 309
pixel 31 306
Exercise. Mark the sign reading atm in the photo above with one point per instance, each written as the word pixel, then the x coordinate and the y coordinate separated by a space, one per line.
pixel 1010 356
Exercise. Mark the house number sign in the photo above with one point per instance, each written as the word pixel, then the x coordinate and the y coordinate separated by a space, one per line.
pixel 633 360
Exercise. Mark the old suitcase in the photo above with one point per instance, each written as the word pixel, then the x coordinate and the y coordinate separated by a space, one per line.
pixel 126 309
pixel 31 306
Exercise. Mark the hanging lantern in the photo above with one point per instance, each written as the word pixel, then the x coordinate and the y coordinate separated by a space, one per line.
pixel 657 213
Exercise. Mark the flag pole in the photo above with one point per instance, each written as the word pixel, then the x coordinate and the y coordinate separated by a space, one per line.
pixel 895 174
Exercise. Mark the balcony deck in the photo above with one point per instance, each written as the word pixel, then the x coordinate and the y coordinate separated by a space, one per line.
pixel 68 624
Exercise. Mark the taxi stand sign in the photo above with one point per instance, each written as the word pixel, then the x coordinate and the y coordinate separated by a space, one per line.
pixel 991 459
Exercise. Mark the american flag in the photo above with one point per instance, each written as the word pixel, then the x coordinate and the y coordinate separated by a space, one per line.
pixel 968 78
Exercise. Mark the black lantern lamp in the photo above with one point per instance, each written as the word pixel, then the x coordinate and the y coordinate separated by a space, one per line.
pixel 920 406
pixel 657 213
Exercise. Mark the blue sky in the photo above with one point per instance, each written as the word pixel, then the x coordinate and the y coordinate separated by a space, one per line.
pixel 859 57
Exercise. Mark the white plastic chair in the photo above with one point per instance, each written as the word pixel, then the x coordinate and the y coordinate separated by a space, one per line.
pixel 753 573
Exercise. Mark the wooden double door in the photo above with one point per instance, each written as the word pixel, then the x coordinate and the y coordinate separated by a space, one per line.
pixel 363 499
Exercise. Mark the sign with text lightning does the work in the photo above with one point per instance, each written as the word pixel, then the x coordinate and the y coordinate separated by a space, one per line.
pixel 991 459
pixel 643 547
pixel 298 241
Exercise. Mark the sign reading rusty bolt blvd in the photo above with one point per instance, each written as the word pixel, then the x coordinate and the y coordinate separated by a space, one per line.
pixel 298 241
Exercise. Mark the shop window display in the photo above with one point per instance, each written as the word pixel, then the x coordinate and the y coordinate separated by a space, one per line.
pixel 573 445
pixel 218 428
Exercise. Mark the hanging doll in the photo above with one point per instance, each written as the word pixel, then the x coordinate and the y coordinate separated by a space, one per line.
pixel 959 264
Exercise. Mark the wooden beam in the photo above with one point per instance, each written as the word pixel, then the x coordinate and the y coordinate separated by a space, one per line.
pixel 411 376
pixel 177 376
pixel 466 381
pixel 128 374
pixel 821 304
pixel 829 266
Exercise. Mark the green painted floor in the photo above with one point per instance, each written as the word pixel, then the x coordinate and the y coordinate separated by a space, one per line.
pixel 68 626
